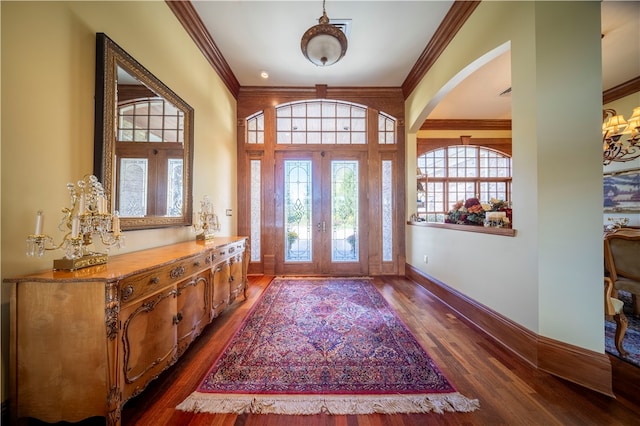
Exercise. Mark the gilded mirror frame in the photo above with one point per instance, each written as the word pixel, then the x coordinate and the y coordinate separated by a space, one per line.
pixel 110 56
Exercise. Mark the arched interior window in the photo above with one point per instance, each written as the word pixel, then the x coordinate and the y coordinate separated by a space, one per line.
pixel 447 175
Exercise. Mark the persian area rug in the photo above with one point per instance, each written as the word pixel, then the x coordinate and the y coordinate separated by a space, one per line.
pixel 631 341
pixel 330 346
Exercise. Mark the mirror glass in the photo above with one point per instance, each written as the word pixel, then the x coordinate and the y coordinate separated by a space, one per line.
pixel 143 142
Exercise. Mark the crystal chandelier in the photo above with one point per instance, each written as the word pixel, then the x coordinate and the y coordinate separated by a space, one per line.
pixel 615 144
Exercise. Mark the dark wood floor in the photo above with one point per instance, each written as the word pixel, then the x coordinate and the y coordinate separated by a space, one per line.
pixel 510 391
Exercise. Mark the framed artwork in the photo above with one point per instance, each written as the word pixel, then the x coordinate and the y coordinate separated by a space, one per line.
pixel 622 191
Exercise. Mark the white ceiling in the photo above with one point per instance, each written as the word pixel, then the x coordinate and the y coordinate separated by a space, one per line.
pixel 256 36
pixel 385 40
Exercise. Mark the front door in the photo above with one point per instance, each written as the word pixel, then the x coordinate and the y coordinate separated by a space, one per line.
pixel 320 210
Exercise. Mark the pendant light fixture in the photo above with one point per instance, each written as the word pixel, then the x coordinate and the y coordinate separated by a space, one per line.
pixel 324 44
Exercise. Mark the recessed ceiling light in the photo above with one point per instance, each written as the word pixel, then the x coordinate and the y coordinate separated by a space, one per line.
pixel 264 74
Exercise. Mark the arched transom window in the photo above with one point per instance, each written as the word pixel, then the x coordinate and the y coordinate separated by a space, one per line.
pixel 321 122
pixel 150 120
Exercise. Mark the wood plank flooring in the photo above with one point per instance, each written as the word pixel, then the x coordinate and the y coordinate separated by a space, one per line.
pixel 510 391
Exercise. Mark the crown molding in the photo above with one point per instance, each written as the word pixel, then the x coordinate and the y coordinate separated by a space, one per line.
pixel 620 91
pixel 451 24
pixel 190 20
pixel 453 21
pixel 466 125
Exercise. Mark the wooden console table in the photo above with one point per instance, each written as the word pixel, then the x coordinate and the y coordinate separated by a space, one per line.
pixel 84 342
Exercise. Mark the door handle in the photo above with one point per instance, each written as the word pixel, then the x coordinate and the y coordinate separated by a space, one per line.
pixel 322 226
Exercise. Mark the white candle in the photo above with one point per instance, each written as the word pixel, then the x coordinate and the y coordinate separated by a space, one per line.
pixel 81 208
pixel 39 222
pixel 100 203
pixel 116 224
pixel 75 226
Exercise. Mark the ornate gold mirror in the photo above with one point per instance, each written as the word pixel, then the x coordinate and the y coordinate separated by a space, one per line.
pixel 143 151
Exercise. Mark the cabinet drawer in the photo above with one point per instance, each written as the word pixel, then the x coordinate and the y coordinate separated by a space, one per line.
pixel 227 251
pixel 139 285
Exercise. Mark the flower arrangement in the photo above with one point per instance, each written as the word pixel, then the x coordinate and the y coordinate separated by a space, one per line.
pixel 473 212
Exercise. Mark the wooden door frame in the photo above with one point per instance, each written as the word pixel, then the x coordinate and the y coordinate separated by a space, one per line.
pixel 252 100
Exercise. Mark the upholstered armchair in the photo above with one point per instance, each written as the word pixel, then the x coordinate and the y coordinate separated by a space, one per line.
pixel 622 261
pixel 613 307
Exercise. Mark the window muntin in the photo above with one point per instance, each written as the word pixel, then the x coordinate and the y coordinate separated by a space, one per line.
pixel 386 129
pixel 321 122
pixel 457 173
pixel 255 128
pixel 150 120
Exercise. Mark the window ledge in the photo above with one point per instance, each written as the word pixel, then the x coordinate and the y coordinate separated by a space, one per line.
pixel 505 232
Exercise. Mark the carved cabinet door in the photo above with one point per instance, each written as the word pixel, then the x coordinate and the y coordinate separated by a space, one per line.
pixel 148 339
pixel 236 278
pixel 220 294
pixel 193 309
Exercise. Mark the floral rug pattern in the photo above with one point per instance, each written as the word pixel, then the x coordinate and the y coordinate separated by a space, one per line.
pixel 324 345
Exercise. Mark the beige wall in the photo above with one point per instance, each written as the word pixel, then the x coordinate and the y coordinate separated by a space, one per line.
pixel 549 277
pixel 48 66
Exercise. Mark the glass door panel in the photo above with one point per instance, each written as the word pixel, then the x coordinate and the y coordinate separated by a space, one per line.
pixel 344 211
pixel 298 215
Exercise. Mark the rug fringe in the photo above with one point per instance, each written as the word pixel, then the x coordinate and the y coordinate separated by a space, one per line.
pixel 200 402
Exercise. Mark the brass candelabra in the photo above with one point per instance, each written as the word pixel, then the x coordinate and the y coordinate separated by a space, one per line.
pixel 87 216
pixel 205 221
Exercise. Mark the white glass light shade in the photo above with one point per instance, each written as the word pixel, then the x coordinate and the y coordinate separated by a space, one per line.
pixel 324 44
pixel 324 50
